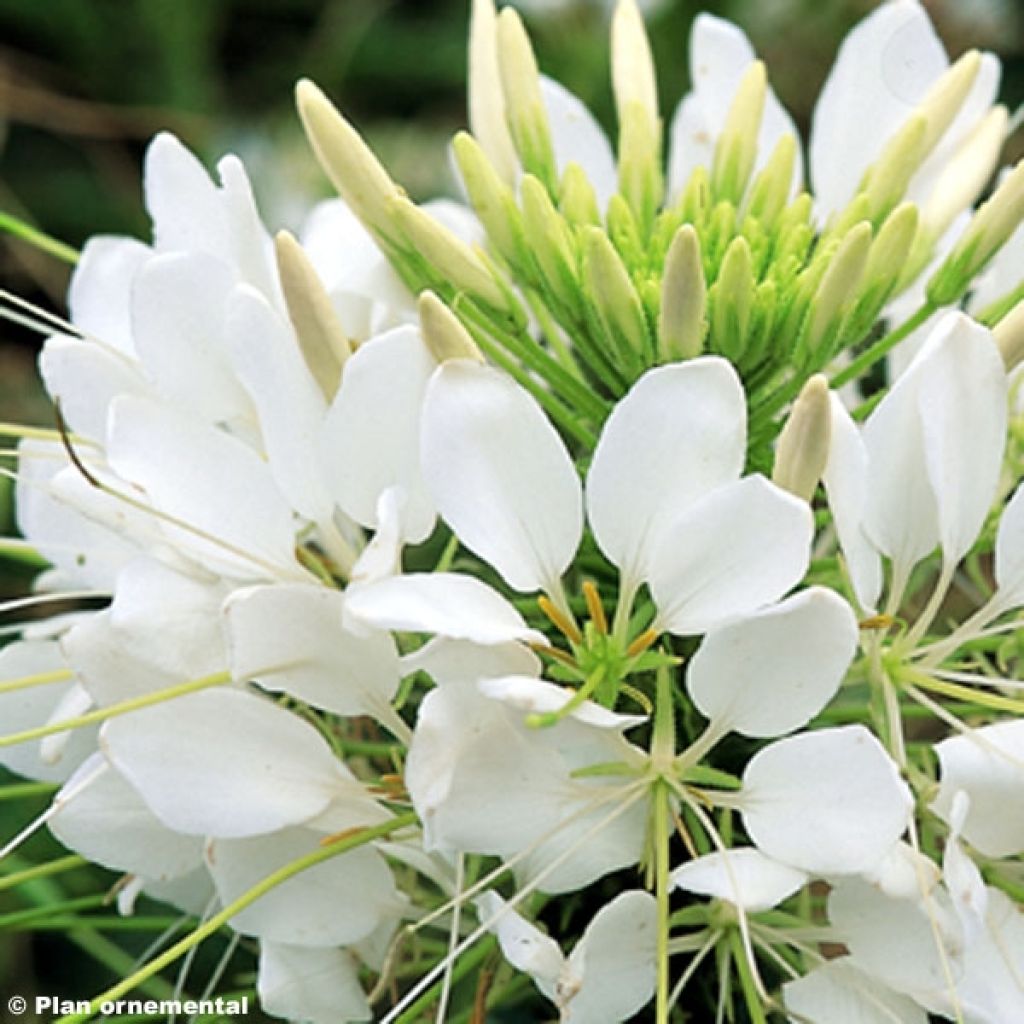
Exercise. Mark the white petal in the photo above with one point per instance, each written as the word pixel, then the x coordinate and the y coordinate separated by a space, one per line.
pixel 615 960
pixel 678 434
pixel 108 823
pixel 578 138
pixel 744 877
pixel 291 638
pixel 371 435
pixel 829 802
pixel 539 696
pixel 34 706
pixel 963 408
pixel 252 250
pixel 209 480
pixel 732 552
pixel 100 297
pixel 460 661
pixel 845 480
pixel 523 944
pixel 224 763
pixel 895 941
pixel 771 673
pixel 988 765
pixel 990 990
pixel 459 607
pixel 884 67
pixel 178 306
pixel 291 409
pixel 85 378
pixel 838 993
pixel 1009 566
pixel 500 474
pixel 317 985
pixel 335 902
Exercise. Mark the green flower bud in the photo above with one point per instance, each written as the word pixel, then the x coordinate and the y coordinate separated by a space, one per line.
pixel 838 285
pixel 736 149
pixel 322 339
pixel 681 322
pixel 577 199
pixel 487 118
pixel 524 105
pixel 732 300
pixel 552 244
pixel 770 190
pixel 988 232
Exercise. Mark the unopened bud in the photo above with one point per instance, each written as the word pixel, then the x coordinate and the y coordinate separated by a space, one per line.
pixel 443 332
pixel 524 106
pixel 346 160
pixel 486 98
pixel 681 322
pixel 802 449
pixel 448 256
pixel 944 99
pixel 551 242
pixel 322 339
pixel 493 201
pixel 732 300
pixel 577 199
pixel 736 149
pixel 770 190
pixel 1009 335
pixel 612 294
pixel 838 284
pixel 633 79
pixel 886 180
pixel 988 232
pixel 967 173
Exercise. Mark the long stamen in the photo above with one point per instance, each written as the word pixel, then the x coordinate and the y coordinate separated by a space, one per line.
pixel 560 620
pixel 594 607
pixel 39 679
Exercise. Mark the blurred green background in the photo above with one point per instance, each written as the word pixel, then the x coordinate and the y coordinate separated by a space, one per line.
pixel 84 84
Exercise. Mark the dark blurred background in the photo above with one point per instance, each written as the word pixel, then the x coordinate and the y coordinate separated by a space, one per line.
pixel 85 83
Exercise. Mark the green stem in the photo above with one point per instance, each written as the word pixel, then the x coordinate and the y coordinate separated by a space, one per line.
pixel 220 919
pixel 660 811
pixel 53 867
pixel 469 962
pixel 25 790
pixel 42 241
pixel 750 995
pixel 870 356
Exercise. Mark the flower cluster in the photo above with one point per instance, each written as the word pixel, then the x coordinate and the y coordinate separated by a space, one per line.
pixel 555 571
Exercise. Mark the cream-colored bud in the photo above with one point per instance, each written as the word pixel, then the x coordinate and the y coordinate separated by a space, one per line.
pixel 1009 335
pixel 612 294
pixel 352 168
pixel 486 97
pixel 443 332
pixel 839 283
pixel 967 173
pixel 886 180
pixel 551 242
pixel 322 339
pixel 891 246
pixel 524 105
pixel 633 77
pixel 988 232
pixel 736 149
pixel 802 449
pixel 681 319
pixel 577 199
pixel 446 253
pixel 944 99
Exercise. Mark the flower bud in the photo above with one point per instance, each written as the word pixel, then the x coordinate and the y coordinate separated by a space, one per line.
pixel 551 243
pixel 611 293
pixel 346 160
pixel 443 332
pixel 802 449
pixel 493 201
pixel 967 173
pixel 886 180
pixel 988 232
pixel 732 299
pixel 577 199
pixel 681 323
pixel 636 105
pixel 321 337
pixel 486 98
pixel 838 285
pixel 1009 335
pixel 736 149
pixel 524 106
pixel 448 256
pixel 770 190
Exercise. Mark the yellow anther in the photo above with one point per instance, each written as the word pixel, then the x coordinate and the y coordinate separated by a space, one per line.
pixel 641 643
pixel 561 621
pixel 876 622
pixel 594 606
